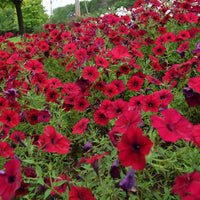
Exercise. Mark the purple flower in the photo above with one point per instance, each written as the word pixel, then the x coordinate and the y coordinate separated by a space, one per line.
pixel 192 98
pixel 87 147
pixel 95 166
pixel 128 184
pixel 114 171
pixel 11 94
pixel 188 92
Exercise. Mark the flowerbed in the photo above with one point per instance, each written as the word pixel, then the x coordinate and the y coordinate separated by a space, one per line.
pixel 104 108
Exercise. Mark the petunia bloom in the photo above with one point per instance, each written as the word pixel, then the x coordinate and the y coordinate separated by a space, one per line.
pixel 52 141
pixel 188 183
pixel 80 126
pixel 128 184
pixel 173 126
pixel 11 180
pixel 80 193
pixel 133 148
pixel 9 118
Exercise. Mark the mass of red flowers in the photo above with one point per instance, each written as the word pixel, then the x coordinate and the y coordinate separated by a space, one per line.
pixel 122 88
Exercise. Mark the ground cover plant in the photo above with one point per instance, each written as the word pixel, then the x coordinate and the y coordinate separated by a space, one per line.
pixel 104 108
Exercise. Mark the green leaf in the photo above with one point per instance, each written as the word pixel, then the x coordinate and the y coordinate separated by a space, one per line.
pixel 29 161
pixel 59 183
pixel 39 171
pixel 47 193
pixel 41 181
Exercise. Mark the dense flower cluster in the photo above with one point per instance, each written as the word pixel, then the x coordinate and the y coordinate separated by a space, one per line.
pixel 105 80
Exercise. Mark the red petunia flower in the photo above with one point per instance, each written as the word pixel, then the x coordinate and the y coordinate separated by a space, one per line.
pixel 55 83
pixel 3 103
pixel 133 147
pixel 32 116
pixel 17 136
pixel 34 66
pixel 100 117
pixel 81 55
pixel 151 103
pixel 80 193
pixel 165 97
pixel 136 102
pixel 196 135
pixel 187 184
pixel 52 141
pixel 110 90
pixel 194 83
pixel 10 180
pixel 80 126
pixel 100 61
pixel 120 52
pixel 6 150
pixel 159 50
pixel 81 104
pixel 29 172
pixel 183 47
pixel 129 119
pixel 9 118
pixel 184 35
pixel 135 83
pixel 43 46
pixel 90 73
pixel 191 17
pixel 39 79
pixel 173 126
pixel 69 48
pixel 51 95
pixel 117 108
pixel 119 84
pixel 100 85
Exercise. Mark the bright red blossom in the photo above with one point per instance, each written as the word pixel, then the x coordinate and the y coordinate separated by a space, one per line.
pixel 10 181
pixel 9 118
pixel 52 141
pixel 173 126
pixel 80 193
pixel 80 126
pixel 188 183
pixel 133 147
pixel 90 73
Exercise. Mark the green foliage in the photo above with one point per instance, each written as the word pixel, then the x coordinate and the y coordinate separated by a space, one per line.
pixel 33 14
pixel 8 20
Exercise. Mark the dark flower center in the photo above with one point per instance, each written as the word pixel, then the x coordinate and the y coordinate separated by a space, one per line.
pixel 136 147
pixel 150 105
pixel 8 119
pixel 89 74
pixel 53 141
pixel 162 97
pixel 81 104
pixel 135 84
pixel 33 117
pixel 138 103
pixel 102 115
pixel 119 110
pixel 11 179
pixel 169 127
pixel 159 50
pixel 52 95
